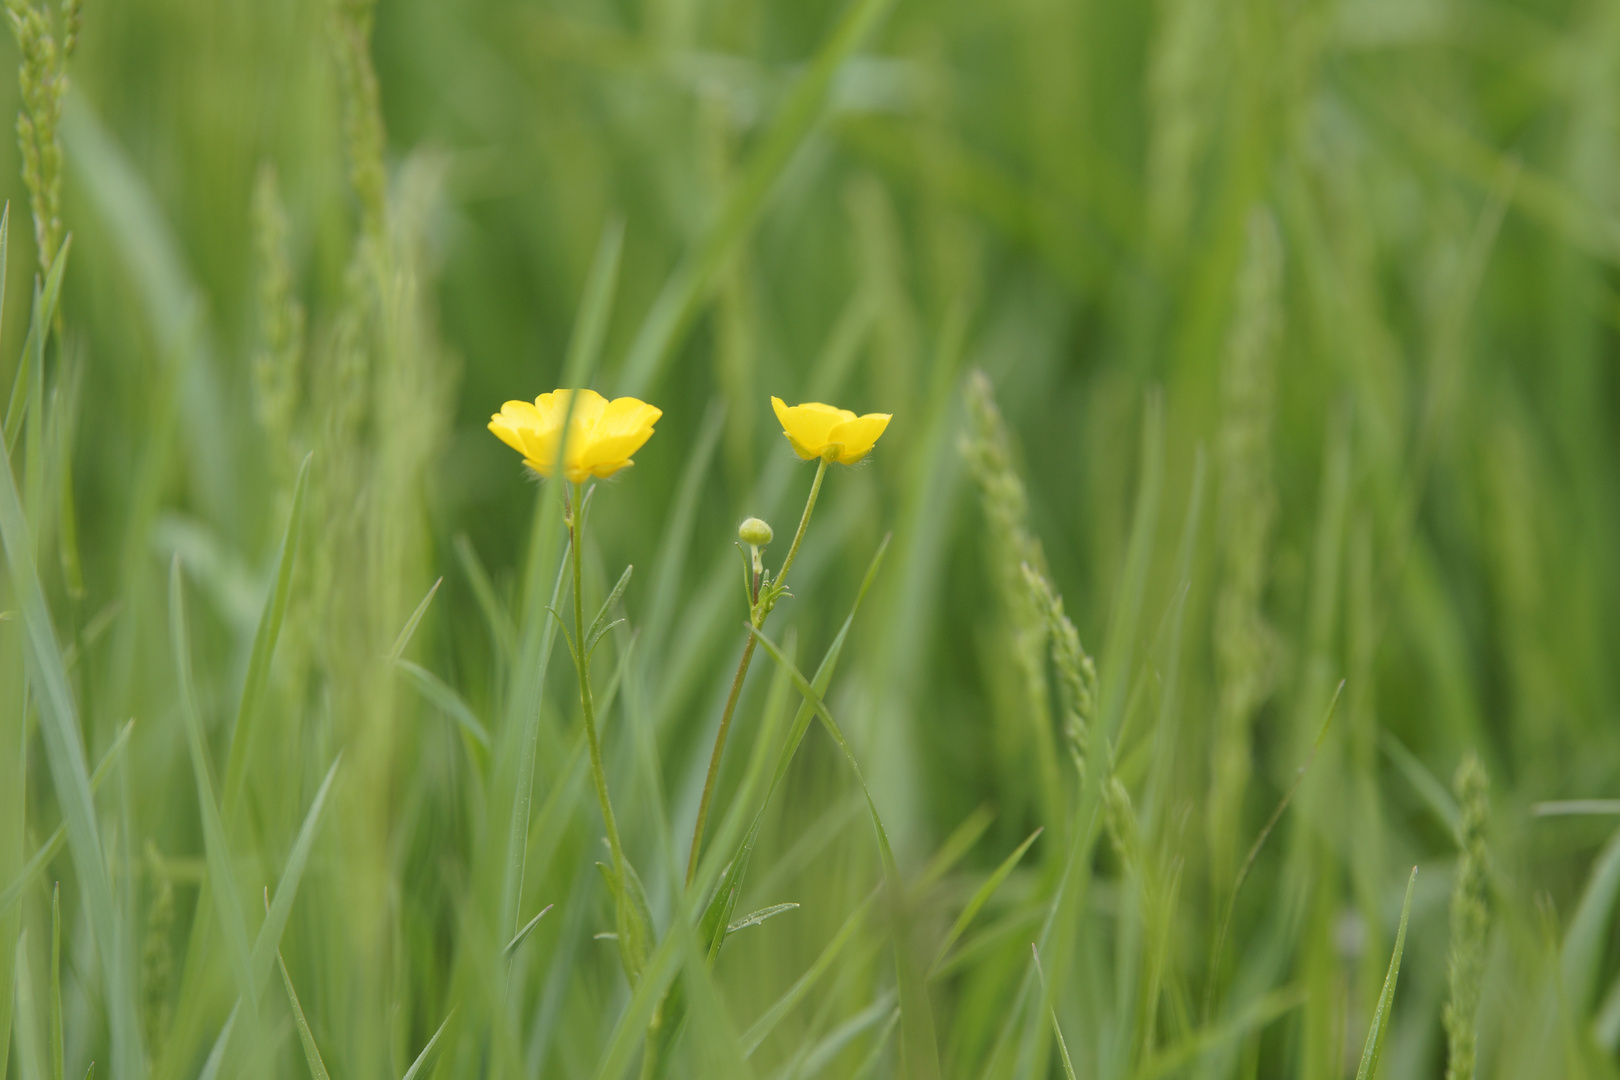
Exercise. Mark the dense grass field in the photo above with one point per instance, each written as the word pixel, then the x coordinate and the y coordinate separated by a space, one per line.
pixel 1210 672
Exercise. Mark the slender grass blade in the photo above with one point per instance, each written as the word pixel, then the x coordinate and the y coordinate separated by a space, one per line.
pixel 264 642
pixel 1374 1049
pixel 227 896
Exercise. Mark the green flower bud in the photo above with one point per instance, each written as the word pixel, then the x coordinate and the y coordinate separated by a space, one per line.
pixel 754 532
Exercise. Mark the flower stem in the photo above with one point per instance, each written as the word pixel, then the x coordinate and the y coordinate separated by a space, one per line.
pixel 586 703
pixel 757 616
pixel 810 504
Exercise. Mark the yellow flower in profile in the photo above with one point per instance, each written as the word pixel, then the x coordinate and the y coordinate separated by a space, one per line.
pixel 816 430
pixel 602 434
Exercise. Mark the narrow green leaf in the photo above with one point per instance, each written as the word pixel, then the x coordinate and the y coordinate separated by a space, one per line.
pixel 1434 794
pixel 830 952
pixel 53 844
pixel 600 625
pixel 268 939
pixel 812 1060
pixel 427 1051
pixel 754 918
pixel 981 896
pixel 441 694
pixel 227 896
pixel 312 1054
pixel 958 844
pixel 264 643
pixel 1368 1070
pixel 1582 952
pixel 39 330
pixel 1057 1029
pixel 633 921
pixel 409 630
pixel 59 728
pixel 528 927
pixel 216 1056
pixel 500 623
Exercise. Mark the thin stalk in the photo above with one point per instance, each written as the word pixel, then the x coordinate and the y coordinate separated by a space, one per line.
pixel 756 615
pixel 798 537
pixel 586 703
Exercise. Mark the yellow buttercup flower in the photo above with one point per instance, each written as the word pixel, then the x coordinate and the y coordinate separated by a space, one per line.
pixel 602 434
pixel 816 430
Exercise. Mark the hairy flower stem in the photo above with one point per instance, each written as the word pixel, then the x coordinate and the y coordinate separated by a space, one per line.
pixel 586 703
pixel 756 615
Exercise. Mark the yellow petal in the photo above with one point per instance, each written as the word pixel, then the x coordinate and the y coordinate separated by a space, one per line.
pixel 626 415
pixel 856 437
pixel 514 418
pixel 586 411
pixel 540 445
pixel 807 426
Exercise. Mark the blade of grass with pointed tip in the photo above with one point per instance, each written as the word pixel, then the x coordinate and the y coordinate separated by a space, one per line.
pixel 1582 951
pixel 39 328
pixel 441 694
pixel 754 918
pixel 600 625
pixel 409 629
pixel 1057 1029
pixel 500 623
pixel 981 896
pixel 959 843
pixel 268 940
pixel 686 289
pixel 59 727
pixel 264 642
pixel 916 1014
pixel 812 1059
pixel 216 1055
pixel 1431 790
pixel 1374 1049
pixel 830 952
pixel 427 1051
pixel 53 844
pixel 528 927
pixel 227 896
pixel 312 1053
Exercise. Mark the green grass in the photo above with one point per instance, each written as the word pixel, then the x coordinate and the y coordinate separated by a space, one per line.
pixel 1254 470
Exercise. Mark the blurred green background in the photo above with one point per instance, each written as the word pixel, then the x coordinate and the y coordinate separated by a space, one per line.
pixel 1301 317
